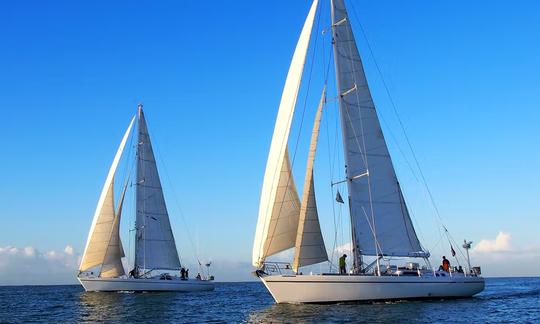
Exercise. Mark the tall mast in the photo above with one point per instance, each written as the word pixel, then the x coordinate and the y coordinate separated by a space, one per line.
pixel 356 256
pixel 155 247
pixel 380 221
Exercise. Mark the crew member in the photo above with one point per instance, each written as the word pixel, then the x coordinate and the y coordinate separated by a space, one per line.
pixel 445 264
pixel 343 264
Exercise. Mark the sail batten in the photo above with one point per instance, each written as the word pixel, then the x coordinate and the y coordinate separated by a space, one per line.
pixel 104 216
pixel 379 217
pixel 155 247
pixel 309 246
pixel 274 195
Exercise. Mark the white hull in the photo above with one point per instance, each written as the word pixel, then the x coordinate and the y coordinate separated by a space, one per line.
pixel 132 284
pixel 343 288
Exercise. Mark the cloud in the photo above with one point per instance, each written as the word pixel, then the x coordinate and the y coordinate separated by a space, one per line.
pixel 500 244
pixel 25 266
pixel 344 249
pixel 29 266
pixel 501 257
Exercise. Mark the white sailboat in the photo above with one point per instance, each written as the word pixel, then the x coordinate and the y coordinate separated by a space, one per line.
pixel 380 223
pixel 156 262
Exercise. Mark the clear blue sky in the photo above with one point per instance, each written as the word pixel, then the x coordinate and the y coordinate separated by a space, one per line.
pixel 464 75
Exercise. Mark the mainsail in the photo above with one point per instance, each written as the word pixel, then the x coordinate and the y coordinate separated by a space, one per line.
pixel 310 247
pixel 380 220
pixel 102 232
pixel 279 205
pixel 154 241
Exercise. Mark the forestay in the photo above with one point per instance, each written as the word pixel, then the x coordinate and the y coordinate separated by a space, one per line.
pixel 378 210
pixel 154 241
pixel 309 245
pixel 102 228
pixel 277 205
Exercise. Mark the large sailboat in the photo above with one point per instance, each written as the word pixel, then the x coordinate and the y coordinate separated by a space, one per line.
pixel 156 262
pixel 382 230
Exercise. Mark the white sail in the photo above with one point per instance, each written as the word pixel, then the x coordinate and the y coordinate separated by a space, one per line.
pixel 103 221
pixel 154 241
pixel 309 245
pixel 285 212
pixel 112 264
pixel 278 148
pixel 378 210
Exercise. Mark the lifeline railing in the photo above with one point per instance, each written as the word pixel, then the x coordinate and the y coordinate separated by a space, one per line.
pixel 276 267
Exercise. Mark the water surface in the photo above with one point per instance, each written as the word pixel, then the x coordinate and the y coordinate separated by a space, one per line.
pixel 504 300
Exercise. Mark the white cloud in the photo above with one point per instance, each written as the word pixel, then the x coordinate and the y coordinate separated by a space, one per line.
pixel 68 250
pixel 500 244
pixel 30 266
pixel 501 257
pixel 344 249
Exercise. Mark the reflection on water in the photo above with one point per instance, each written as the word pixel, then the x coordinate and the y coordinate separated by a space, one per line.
pixel 146 307
pixel 343 312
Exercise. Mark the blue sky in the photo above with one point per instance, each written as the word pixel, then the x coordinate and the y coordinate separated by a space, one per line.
pixel 464 77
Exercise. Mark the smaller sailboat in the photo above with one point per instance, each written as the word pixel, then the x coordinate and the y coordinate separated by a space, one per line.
pixel 156 263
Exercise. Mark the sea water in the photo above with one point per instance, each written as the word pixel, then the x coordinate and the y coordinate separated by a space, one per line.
pixel 504 300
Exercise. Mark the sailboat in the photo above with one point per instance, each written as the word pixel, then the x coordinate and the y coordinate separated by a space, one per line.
pixel 156 261
pixel 379 218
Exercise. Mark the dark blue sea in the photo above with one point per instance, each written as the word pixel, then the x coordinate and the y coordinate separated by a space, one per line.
pixel 504 300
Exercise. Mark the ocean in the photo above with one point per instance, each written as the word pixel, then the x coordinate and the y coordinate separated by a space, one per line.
pixel 504 300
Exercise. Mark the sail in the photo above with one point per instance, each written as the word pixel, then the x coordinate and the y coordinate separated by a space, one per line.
pixel 309 245
pixel 112 264
pixel 154 241
pixel 103 221
pixel 378 210
pixel 266 240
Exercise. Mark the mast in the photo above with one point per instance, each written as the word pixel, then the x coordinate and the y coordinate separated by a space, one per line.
pixel 155 246
pixel 380 221
pixel 356 256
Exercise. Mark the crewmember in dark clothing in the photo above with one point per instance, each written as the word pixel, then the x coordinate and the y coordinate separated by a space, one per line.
pixel 343 264
pixel 445 264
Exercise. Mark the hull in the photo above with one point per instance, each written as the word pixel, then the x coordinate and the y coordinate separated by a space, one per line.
pixel 131 284
pixel 344 288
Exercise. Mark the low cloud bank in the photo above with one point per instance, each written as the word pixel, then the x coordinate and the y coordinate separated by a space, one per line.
pixel 29 266
pixel 502 257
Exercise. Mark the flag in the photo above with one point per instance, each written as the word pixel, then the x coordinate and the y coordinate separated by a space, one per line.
pixel 452 250
pixel 338 198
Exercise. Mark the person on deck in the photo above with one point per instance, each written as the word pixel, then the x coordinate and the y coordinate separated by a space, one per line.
pixel 445 264
pixel 182 273
pixel 343 264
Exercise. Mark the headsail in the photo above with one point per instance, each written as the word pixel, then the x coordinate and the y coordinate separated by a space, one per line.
pixel 310 247
pixel 112 263
pixel 284 219
pixel 103 222
pixel 154 241
pixel 278 161
pixel 378 210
